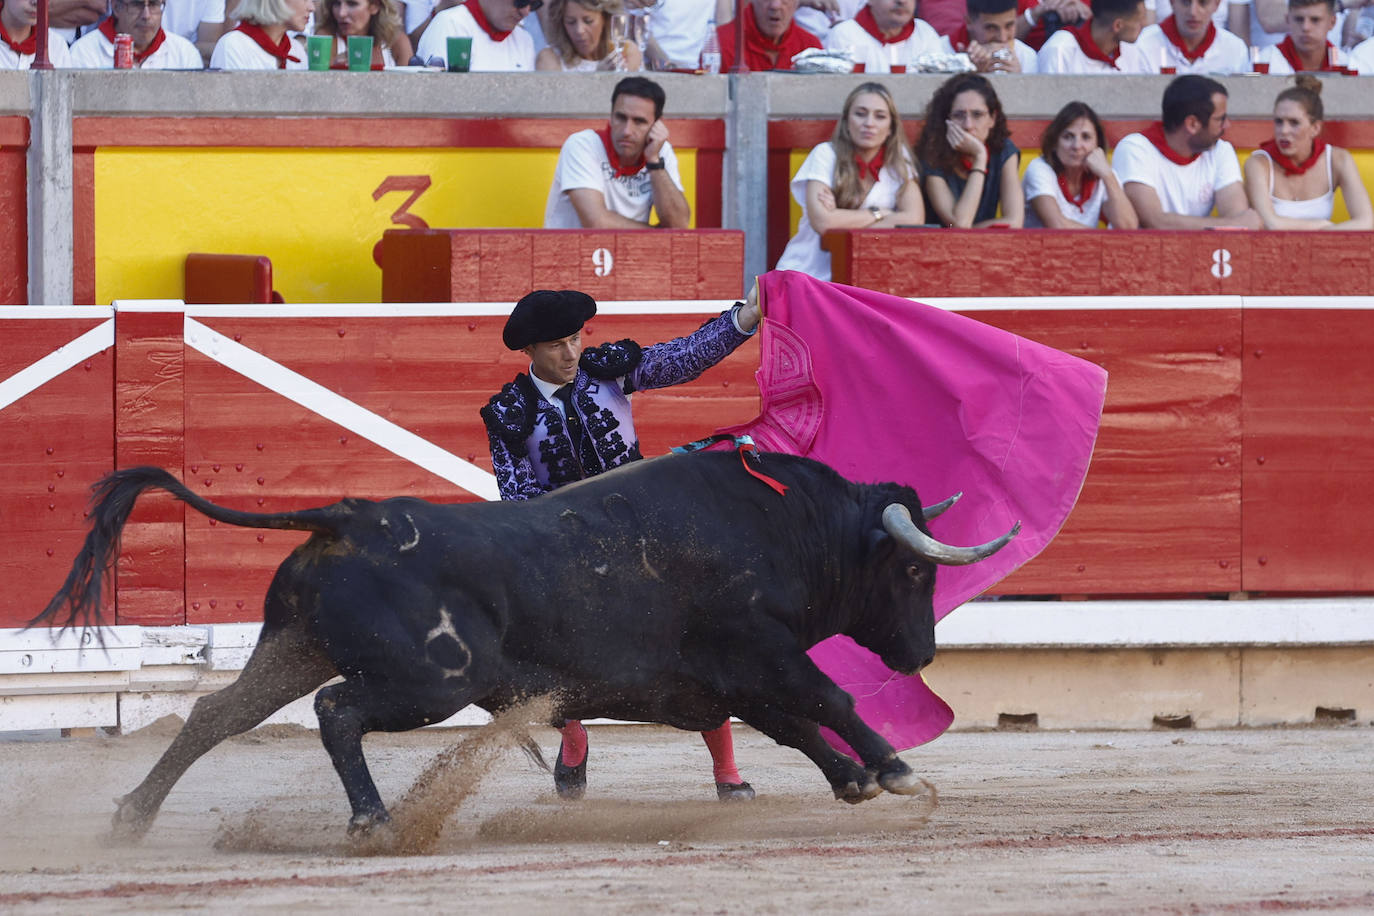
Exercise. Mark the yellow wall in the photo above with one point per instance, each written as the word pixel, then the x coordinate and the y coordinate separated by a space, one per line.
pixel 310 210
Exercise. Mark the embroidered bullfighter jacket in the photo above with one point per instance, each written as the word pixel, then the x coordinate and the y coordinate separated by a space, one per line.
pixel 532 451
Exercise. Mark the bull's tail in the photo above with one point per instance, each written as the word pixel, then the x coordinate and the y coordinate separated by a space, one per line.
pixel 112 500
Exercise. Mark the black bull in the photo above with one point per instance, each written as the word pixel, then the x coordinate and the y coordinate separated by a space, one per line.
pixel 677 590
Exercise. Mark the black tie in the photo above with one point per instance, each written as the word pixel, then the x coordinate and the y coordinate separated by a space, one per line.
pixel 565 394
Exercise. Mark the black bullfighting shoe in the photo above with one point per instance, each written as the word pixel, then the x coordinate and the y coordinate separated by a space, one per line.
pixel 571 782
pixel 734 791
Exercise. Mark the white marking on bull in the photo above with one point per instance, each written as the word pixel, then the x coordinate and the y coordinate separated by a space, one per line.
pixel 415 539
pixel 644 554
pixel 445 628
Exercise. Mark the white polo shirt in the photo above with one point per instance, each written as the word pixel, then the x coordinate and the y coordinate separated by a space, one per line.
pixel 1041 181
pixel 878 56
pixel 1225 54
pixel 1062 54
pixel 1025 54
pixel 237 51
pixel 583 163
pixel 183 17
pixel 512 53
pixel 58 54
pixel 1187 189
pixel 95 51
pixel 679 27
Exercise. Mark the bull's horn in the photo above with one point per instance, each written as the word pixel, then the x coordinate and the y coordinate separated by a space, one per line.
pixel 939 508
pixel 897 522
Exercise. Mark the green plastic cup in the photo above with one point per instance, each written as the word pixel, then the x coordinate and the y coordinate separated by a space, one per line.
pixel 459 54
pixel 319 51
pixel 359 52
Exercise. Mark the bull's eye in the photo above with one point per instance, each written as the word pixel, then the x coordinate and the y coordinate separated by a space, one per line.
pixel 914 573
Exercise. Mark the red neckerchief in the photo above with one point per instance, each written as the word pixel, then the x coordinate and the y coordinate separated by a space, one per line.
pixel 1086 191
pixel 958 40
pixel 870 25
pixel 107 28
pixel 1084 33
pixel 872 166
pixel 1290 54
pixel 1170 29
pixel 761 52
pixel 281 50
pixel 613 157
pixel 480 18
pixel 1155 134
pixel 27 46
pixel 1288 165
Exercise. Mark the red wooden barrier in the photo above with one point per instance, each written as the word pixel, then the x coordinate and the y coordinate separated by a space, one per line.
pixel 486 265
pixel 14 209
pixel 55 441
pixel 1054 262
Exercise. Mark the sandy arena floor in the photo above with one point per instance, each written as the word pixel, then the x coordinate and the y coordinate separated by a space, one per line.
pixel 1039 822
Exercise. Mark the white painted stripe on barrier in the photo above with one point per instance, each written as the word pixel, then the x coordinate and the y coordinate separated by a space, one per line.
pixel 416 309
pixel 1309 302
pixel 1290 622
pixel 47 312
pixel 338 409
pixel 100 337
pixel 1083 303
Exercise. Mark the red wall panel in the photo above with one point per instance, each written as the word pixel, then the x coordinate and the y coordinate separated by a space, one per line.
pixel 1160 509
pixel 1309 450
pixel 14 217
pixel 54 442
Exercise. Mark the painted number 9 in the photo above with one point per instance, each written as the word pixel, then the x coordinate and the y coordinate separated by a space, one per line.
pixel 602 262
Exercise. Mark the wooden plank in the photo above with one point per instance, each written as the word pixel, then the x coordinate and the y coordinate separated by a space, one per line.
pixel 1160 509
pixel 14 245
pixel 1308 419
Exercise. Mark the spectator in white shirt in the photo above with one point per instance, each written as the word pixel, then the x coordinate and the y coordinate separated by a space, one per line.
pixel 1190 41
pixel 1308 45
pixel 154 48
pixel 1071 185
pixel 1180 169
pixel 988 37
pixel 884 36
pixel 1102 44
pixel 19 37
pixel 201 22
pixel 498 43
pixel 260 41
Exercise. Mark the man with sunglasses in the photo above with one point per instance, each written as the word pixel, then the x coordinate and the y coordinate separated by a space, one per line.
pixel 498 42
pixel 154 48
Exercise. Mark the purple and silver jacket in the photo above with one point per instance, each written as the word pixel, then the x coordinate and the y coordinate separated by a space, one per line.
pixel 531 451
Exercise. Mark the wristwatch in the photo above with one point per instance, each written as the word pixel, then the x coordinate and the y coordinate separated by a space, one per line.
pixel 877 213
pixel 656 166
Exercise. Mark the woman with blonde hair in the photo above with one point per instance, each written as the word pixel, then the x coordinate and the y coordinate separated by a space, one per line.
pixel 1292 179
pixel 863 177
pixel 379 19
pixel 580 39
pixel 260 42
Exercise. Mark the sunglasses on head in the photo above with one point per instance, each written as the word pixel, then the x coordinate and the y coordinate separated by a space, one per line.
pixel 534 5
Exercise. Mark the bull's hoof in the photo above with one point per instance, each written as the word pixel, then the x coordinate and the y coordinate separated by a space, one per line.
pixel 130 822
pixel 734 791
pixel 571 782
pixel 902 782
pixel 361 825
pixel 853 793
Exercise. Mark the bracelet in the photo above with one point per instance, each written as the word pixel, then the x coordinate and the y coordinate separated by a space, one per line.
pixel 983 172
pixel 1030 19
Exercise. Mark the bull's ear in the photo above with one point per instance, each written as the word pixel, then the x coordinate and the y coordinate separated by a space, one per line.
pixel 879 540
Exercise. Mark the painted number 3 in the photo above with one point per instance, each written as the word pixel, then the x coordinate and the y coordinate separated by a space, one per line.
pixel 401 216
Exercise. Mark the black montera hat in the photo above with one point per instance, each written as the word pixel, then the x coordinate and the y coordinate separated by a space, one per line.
pixel 547 314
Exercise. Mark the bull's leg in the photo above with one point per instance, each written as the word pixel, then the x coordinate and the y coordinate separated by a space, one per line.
pixel 849 780
pixel 283 667
pixel 351 709
pixel 805 692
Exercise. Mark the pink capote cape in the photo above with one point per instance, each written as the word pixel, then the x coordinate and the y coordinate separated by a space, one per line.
pixel 885 389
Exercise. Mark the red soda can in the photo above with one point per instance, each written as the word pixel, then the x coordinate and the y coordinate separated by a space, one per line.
pixel 124 52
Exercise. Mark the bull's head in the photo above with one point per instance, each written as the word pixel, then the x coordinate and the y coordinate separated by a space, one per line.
pixel 904 636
